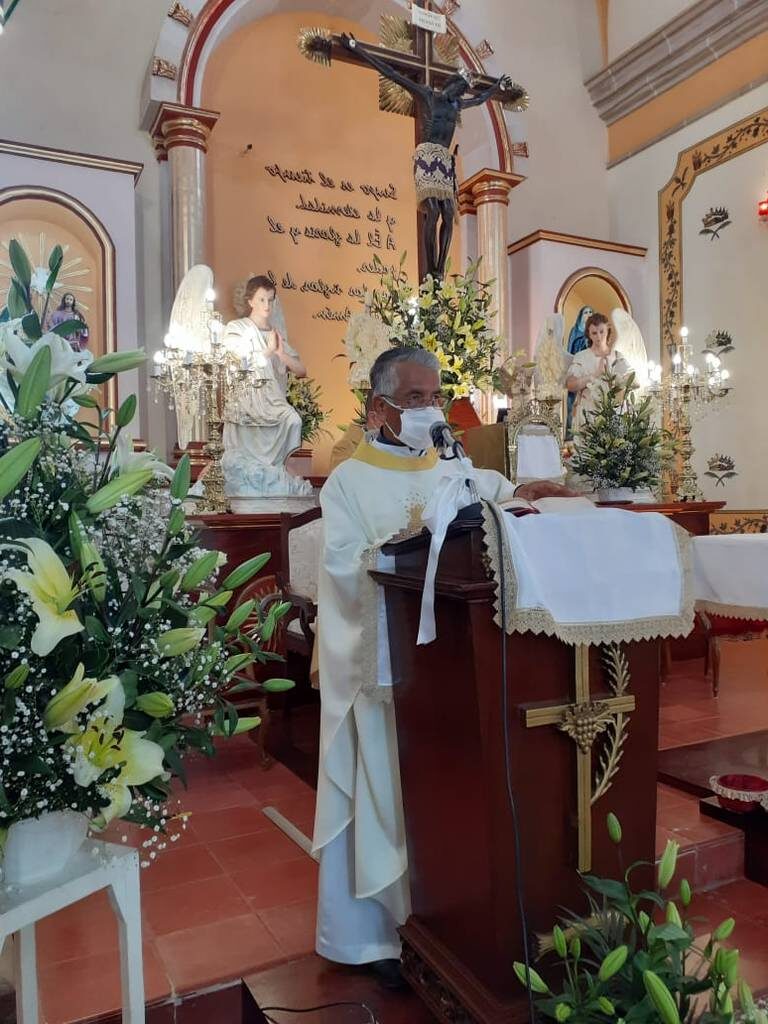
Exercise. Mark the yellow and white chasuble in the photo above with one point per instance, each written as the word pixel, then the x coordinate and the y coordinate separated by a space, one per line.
pixel 359 835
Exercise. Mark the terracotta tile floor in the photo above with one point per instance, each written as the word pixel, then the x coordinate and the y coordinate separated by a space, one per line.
pixel 234 895
pixel 231 896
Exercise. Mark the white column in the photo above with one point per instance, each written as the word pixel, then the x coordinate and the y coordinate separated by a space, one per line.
pixel 486 194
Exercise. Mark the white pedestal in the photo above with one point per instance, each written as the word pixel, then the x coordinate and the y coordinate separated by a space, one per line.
pixel 96 866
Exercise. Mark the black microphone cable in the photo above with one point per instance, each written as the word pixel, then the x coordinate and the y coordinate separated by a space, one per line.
pixel 519 883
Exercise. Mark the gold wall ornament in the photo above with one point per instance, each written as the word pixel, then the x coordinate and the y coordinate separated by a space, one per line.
pixel 315 45
pixel 162 68
pixel 450 7
pixel 730 142
pixel 484 49
pixel 521 101
pixel 584 720
pixel 181 14
pixel 395 34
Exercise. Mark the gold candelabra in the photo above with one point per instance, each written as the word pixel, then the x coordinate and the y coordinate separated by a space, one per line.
pixel 686 390
pixel 202 376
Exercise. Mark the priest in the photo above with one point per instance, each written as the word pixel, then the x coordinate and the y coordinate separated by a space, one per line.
pixel 376 494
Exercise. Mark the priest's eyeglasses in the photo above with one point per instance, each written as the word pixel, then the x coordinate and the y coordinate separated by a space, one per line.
pixel 417 401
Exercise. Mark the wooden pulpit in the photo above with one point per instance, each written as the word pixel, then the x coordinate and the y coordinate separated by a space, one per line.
pixel 572 733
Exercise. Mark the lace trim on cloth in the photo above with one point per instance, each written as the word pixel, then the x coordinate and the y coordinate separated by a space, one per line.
pixel 733 611
pixel 538 620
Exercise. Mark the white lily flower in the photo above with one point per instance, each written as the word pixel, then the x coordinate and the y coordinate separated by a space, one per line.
pixel 78 693
pixel 66 364
pixel 105 745
pixel 126 459
pixel 51 591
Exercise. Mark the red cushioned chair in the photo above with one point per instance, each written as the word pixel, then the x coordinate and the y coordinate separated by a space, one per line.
pixel 722 627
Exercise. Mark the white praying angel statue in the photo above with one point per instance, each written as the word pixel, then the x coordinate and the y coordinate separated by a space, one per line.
pixel 261 428
pixel 552 360
pixel 628 342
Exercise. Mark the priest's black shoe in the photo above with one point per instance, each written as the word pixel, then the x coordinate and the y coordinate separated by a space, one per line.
pixel 387 973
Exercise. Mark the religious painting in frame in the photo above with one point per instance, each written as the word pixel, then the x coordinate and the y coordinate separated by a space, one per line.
pixel 41 218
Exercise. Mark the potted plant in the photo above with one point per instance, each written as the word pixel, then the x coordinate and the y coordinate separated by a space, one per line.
pixel 634 957
pixel 117 643
pixel 619 448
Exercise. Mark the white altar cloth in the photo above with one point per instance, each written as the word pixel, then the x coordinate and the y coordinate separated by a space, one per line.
pixel 730 574
pixel 607 576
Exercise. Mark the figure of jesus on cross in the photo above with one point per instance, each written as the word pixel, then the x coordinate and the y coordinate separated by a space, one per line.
pixel 440 92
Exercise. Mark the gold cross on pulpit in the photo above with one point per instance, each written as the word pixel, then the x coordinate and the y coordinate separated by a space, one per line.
pixel 584 721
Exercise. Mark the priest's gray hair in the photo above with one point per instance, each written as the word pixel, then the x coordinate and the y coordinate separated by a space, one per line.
pixel 385 375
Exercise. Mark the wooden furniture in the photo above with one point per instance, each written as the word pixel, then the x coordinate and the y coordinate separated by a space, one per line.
pixel 721 627
pixel 754 825
pixel 452 706
pixel 693 516
pixel 96 866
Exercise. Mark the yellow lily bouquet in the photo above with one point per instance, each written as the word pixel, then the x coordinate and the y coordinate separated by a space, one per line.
pixel 115 641
pixel 450 317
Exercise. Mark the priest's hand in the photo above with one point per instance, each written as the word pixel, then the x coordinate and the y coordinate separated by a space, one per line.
pixel 544 489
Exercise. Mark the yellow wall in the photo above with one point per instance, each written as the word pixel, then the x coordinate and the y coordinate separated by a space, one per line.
pixel 703 91
pixel 589 291
pixel 301 115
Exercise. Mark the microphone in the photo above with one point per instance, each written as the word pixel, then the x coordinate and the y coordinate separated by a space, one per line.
pixel 442 438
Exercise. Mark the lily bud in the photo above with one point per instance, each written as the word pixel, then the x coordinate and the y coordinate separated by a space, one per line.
pixel 724 930
pixel 562 1012
pixel 606 1006
pixel 614 828
pixel 673 915
pixel 613 963
pixel 661 998
pixel 174 642
pixel 529 978
pixel 685 893
pixel 155 704
pixel 667 863
pixel 558 940
pixel 17 677
pixel 123 485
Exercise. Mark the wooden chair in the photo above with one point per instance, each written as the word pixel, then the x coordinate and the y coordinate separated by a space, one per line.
pixel 721 627
pixel 299 589
pixel 265 591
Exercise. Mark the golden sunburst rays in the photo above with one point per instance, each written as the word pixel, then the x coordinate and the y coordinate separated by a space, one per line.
pixel 315 45
pixel 395 34
pixel 73 275
pixel 447 49
pixel 519 100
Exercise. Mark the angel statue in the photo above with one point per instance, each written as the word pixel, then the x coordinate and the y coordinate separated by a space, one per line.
pixel 261 428
pixel 629 344
pixel 433 163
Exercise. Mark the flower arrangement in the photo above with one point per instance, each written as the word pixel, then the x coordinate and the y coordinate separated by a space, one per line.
pixel 304 395
pixel 619 444
pixel 115 642
pixel 450 317
pixel 635 957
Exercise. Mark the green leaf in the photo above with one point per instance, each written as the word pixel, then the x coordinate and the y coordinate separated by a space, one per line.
pixel 17 300
pixel 200 570
pixel 16 463
pixel 85 401
pixel 31 325
pixel 22 268
pixel 126 412
pixel 237 661
pixel 668 932
pixel 118 362
pixel 68 328
pixel 174 762
pixel 243 573
pixel 176 521
pixel 9 638
pixel 95 629
pixel 54 266
pixel 35 383
pixel 607 887
pixel 181 479
pixel 238 616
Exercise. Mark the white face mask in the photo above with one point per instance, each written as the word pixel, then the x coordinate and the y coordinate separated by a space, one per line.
pixel 415 425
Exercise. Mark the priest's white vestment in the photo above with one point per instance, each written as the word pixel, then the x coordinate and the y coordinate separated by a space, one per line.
pixel 363 894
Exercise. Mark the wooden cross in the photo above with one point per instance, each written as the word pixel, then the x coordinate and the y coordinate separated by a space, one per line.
pixel 420 66
pixel 583 721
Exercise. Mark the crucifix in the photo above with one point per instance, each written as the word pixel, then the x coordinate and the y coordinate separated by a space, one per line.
pixel 438 92
pixel 584 721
